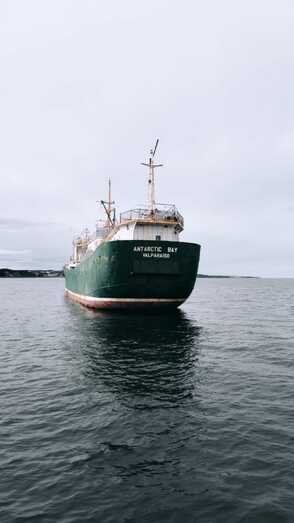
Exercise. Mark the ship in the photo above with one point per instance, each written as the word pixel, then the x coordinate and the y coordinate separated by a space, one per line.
pixel 135 260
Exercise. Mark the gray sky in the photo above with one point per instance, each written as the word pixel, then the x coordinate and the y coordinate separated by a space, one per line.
pixel 86 88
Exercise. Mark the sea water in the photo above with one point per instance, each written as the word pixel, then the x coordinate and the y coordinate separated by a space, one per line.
pixel 172 417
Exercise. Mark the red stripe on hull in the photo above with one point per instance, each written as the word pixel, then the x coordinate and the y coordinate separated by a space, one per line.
pixel 121 303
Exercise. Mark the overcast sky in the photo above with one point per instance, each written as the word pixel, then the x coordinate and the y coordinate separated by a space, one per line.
pixel 87 86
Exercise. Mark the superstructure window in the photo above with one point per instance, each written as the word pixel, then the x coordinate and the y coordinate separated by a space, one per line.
pixel 157 237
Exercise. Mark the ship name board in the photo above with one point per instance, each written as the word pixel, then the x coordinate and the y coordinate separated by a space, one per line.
pixel 155 251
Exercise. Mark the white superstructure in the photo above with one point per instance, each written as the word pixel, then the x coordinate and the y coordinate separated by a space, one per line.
pixel 157 222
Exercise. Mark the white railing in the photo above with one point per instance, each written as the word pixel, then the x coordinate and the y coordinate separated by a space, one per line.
pixel 162 212
pixel 101 232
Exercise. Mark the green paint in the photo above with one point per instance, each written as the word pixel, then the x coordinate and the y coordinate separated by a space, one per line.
pixel 136 269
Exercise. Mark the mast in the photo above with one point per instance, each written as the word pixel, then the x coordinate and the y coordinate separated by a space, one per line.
pixel 109 209
pixel 109 202
pixel 151 178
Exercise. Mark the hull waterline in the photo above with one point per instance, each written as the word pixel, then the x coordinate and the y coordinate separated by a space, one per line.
pixel 123 303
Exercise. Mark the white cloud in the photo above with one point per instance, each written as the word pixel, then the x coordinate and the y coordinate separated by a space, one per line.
pixel 85 90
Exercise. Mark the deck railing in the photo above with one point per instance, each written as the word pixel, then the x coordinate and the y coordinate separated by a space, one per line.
pixel 161 212
pixel 102 232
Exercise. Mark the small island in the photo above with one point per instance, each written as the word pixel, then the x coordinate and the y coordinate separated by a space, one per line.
pixel 23 273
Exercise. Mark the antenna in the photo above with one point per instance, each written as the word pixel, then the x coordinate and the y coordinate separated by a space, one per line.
pixel 154 150
pixel 151 181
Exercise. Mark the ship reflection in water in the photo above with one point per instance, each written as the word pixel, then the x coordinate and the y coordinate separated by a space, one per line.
pixel 141 355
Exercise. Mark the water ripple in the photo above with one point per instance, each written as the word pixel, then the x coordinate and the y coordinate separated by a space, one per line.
pixel 147 418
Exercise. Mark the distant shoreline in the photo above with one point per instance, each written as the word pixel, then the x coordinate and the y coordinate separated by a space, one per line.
pixel 50 273
pixel 225 276
pixel 26 273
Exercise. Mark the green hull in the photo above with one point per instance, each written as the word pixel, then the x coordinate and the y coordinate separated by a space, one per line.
pixel 134 274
